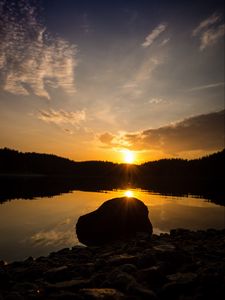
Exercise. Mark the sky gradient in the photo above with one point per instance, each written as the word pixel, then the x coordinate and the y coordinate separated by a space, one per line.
pixel 89 80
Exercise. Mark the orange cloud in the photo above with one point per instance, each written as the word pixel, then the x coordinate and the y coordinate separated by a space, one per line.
pixel 198 133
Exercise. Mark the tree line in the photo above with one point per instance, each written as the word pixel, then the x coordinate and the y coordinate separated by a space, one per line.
pixel 15 162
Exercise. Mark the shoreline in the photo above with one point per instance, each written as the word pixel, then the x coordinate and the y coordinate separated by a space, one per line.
pixel 183 264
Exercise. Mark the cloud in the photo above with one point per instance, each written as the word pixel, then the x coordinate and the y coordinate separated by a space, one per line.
pixel 85 23
pixel 30 58
pixel 199 133
pixel 153 35
pixel 209 31
pixel 147 67
pixel 211 36
pixel 144 72
pixel 207 86
pixel 106 138
pixel 165 41
pixel 213 19
pixel 130 85
pixel 155 101
pixel 62 116
pixel 113 141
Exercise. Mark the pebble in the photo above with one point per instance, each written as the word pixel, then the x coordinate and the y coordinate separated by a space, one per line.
pixel 102 294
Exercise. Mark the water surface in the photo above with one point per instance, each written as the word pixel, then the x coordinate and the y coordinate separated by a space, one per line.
pixel 45 224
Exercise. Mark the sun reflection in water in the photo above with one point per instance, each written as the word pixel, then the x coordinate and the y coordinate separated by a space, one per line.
pixel 129 193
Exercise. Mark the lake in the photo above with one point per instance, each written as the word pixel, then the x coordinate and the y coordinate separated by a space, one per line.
pixel 46 224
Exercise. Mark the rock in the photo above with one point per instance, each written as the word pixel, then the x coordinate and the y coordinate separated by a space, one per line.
pixel 117 260
pixel 152 276
pixel 183 278
pixel 146 259
pixel 118 218
pixel 120 280
pixel 102 294
pixel 128 268
pixel 2 263
pixel 74 283
pixel 3 275
pixel 14 296
pixel 57 274
pixel 180 284
pixel 164 248
pixel 143 293
pixel 26 288
pixel 66 296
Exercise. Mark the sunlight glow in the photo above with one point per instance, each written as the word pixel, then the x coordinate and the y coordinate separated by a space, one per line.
pixel 129 194
pixel 128 156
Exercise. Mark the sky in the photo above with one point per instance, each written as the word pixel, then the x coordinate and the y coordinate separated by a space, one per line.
pixel 93 80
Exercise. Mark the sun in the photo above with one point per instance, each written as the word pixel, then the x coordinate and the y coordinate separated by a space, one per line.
pixel 128 156
pixel 129 194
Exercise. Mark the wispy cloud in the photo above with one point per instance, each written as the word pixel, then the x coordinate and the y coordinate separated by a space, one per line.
pixel 211 36
pixel 85 23
pixel 147 67
pixel 207 86
pixel 62 116
pixel 198 133
pixel 135 86
pixel 30 58
pixel 213 19
pixel 154 34
pixel 156 101
pixel 165 41
pixel 209 31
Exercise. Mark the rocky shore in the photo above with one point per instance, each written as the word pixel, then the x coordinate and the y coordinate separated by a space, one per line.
pixel 181 265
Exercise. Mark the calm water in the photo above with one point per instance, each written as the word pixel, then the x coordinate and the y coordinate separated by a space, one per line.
pixel 42 225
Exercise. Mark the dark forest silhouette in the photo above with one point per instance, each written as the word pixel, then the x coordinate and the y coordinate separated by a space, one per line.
pixel 28 175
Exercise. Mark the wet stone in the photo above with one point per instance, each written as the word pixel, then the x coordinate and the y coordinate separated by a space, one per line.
pixel 25 288
pixel 102 294
pixel 120 279
pixel 122 259
pixel 143 293
pixel 152 276
pixel 128 268
pixel 74 283
pixel 66 296
pixel 164 248
pixel 14 296
pixel 180 283
pixel 183 278
pixel 57 274
pixel 3 276
pixel 146 259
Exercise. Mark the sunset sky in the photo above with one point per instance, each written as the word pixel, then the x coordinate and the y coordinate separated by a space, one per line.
pixel 89 80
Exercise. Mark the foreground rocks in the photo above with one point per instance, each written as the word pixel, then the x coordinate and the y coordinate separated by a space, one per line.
pixel 118 218
pixel 182 265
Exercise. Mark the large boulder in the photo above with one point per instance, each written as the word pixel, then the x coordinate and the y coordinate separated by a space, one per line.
pixel 118 218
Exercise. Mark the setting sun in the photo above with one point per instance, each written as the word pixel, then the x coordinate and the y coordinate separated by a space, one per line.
pixel 129 194
pixel 128 156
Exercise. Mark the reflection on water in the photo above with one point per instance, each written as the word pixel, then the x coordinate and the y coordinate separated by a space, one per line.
pixel 37 227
